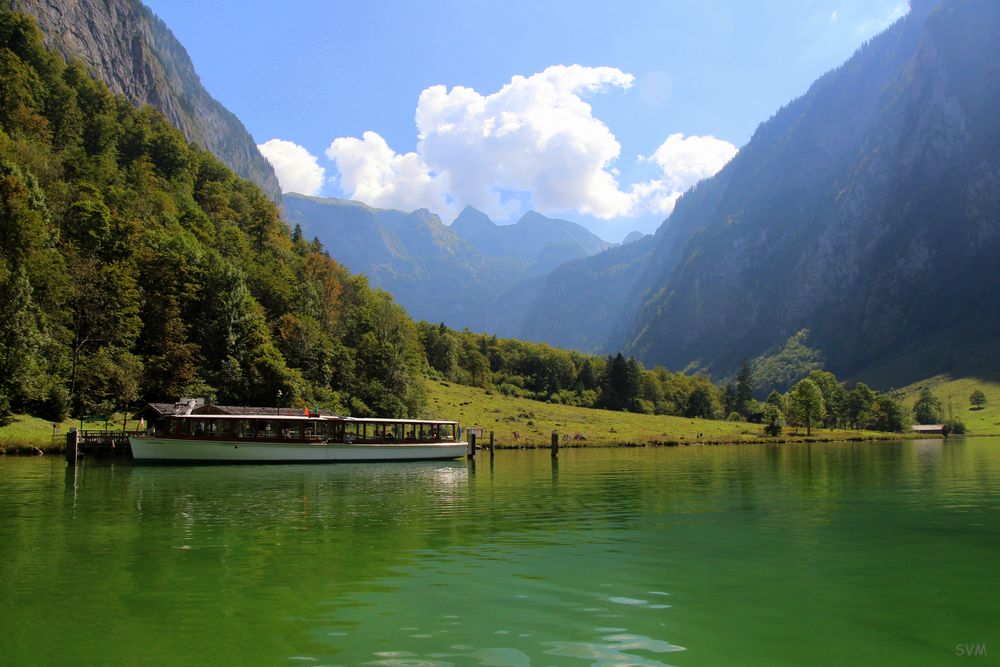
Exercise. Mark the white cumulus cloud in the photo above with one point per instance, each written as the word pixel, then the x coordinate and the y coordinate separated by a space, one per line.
pixel 683 162
pixel 535 141
pixel 536 135
pixel 296 168
pixel 375 174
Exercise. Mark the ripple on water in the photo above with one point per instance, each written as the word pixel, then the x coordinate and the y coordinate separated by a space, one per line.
pixel 616 651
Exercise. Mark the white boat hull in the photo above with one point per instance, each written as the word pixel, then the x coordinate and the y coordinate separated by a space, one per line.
pixel 242 451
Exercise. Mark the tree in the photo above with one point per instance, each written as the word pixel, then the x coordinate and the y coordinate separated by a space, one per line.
pixel 730 398
pixel 886 414
pixel 805 405
pixel 21 364
pixel 773 419
pixel 701 403
pixel 927 409
pixel 858 406
pixel 440 347
pixel 744 388
pixel 834 395
pixel 977 400
pixel 586 378
pixel 621 383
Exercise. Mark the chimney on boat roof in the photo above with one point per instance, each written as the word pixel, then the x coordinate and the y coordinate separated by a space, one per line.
pixel 186 406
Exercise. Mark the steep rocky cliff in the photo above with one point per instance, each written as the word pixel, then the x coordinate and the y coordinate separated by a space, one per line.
pixel 867 211
pixel 137 56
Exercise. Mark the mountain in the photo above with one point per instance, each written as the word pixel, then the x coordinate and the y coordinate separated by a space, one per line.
pixel 542 242
pixel 427 267
pixel 633 236
pixel 474 273
pixel 132 51
pixel 133 264
pixel 581 304
pixel 867 211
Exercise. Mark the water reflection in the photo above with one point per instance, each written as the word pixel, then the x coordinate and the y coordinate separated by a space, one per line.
pixel 699 555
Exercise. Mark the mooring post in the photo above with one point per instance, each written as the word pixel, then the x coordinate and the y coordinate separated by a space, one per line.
pixel 555 444
pixel 491 444
pixel 472 445
pixel 72 446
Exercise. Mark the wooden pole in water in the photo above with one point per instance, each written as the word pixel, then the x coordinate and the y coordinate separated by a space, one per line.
pixel 472 445
pixel 72 446
pixel 555 444
pixel 491 444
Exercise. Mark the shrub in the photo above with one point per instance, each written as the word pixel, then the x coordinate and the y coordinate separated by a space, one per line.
pixel 954 427
pixel 774 420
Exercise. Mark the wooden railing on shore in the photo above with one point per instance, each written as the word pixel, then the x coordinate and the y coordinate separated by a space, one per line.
pixel 100 443
pixel 107 438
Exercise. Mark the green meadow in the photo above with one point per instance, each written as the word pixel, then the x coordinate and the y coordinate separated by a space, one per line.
pixel 954 395
pixel 519 422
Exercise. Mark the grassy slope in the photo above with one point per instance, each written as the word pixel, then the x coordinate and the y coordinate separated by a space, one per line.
pixel 27 433
pixel 535 421
pixel 957 391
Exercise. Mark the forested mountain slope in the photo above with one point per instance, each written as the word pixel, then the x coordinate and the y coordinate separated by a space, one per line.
pixel 125 45
pixel 134 264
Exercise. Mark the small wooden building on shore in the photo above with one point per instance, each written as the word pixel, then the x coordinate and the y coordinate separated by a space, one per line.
pixel 929 429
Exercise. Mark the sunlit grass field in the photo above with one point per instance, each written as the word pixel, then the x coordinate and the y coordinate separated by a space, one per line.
pixel 534 422
pixel 954 396
pixel 27 434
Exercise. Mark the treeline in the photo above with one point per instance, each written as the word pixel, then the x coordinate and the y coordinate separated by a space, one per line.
pixel 133 264
pixel 541 372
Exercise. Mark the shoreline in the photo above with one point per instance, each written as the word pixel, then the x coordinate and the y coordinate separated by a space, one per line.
pixel 50 449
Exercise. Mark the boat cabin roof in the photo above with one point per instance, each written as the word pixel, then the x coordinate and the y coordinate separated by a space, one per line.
pixel 372 420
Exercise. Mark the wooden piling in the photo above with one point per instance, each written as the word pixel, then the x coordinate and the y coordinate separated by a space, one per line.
pixel 472 445
pixel 555 444
pixel 491 444
pixel 72 446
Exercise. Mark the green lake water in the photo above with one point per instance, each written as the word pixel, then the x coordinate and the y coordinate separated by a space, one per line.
pixel 828 554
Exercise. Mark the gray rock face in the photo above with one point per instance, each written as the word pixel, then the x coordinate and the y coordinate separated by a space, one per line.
pixel 864 211
pixel 135 54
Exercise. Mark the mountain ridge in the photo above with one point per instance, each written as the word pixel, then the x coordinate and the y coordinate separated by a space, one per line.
pixel 134 52
pixel 472 273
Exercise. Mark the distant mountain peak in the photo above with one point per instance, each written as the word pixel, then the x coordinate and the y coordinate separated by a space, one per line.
pixel 472 218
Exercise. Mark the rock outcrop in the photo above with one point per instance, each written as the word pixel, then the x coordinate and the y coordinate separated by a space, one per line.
pixel 135 54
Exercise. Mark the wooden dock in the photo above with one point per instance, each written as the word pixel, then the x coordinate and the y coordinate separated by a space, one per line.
pixel 101 444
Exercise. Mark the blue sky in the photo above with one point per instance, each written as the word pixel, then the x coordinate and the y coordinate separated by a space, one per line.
pixel 597 112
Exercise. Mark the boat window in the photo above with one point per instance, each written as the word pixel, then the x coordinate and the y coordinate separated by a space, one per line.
pixel 291 430
pixel 335 430
pixel 314 430
pixel 220 427
pixel 267 428
pixel 243 428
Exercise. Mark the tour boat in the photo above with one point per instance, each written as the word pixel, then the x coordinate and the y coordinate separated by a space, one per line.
pixel 303 438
